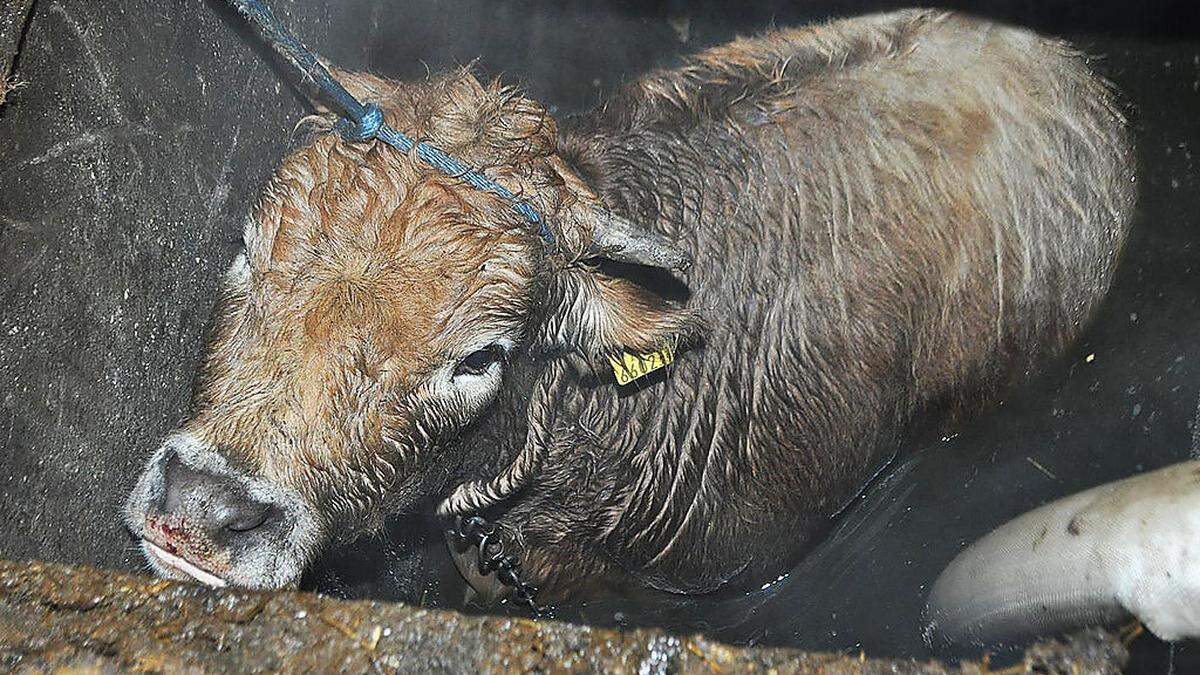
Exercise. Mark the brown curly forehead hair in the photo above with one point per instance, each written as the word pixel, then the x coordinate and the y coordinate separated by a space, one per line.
pixel 364 237
pixel 509 138
pixel 401 237
pixel 357 249
pixel 490 127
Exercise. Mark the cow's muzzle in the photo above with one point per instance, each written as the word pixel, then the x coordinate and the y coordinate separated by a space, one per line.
pixel 195 518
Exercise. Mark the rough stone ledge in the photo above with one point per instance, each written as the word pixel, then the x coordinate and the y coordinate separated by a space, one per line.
pixel 56 618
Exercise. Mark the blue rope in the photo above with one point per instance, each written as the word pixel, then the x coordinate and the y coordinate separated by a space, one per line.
pixel 363 122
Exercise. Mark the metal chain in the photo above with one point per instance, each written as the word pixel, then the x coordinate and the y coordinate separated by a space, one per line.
pixel 484 536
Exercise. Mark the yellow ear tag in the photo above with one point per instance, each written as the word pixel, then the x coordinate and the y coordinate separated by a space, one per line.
pixel 629 367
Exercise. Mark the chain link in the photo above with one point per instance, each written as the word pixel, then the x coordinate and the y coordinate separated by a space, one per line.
pixel 484 536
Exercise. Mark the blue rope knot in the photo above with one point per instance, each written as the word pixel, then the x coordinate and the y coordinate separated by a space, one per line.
pixel 366 128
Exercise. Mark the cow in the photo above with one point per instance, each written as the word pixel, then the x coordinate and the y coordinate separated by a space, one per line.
pixel 828 235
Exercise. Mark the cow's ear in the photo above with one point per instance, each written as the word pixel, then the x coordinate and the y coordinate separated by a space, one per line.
pixel 603 309
pixel 623 286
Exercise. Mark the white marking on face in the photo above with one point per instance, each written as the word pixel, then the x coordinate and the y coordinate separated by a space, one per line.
pixel 473 376
pixel 238 273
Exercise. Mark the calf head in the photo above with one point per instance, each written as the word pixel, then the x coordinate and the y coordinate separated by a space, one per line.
pixel 371 318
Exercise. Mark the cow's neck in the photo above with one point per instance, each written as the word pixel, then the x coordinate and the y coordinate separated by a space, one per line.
pixel 595 511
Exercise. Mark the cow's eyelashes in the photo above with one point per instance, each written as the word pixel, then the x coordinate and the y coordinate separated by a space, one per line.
pixel 480 361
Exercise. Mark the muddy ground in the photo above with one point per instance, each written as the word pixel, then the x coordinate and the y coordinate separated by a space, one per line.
pixel 57 617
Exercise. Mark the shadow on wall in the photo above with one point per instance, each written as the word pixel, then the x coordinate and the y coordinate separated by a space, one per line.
pixel 143 133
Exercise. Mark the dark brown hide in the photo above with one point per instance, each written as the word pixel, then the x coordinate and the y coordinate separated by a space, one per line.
pixel 886 213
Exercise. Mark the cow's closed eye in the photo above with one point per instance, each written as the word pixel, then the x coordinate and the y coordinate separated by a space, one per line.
pixel 480 361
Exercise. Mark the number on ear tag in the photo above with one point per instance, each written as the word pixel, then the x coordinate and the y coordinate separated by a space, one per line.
pixel 629 367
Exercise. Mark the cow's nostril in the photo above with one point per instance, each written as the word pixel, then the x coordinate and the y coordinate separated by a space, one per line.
pixel 248 516
pixel 209 504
